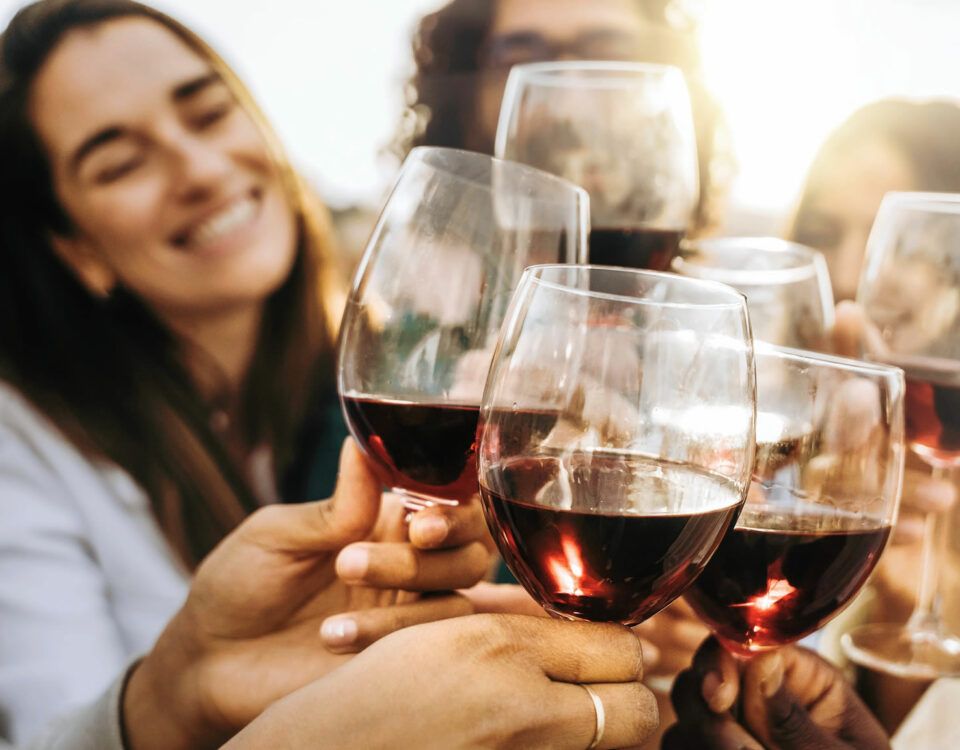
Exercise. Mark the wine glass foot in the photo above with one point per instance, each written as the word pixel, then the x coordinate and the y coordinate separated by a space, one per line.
pixel 413 503
pixel 903 651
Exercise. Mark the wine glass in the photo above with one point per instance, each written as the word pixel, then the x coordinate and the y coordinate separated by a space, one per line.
pixel 826 487
pixel 616 436
pixel 910 294
pixel 426 306
pixel 624 132
pixel 787 285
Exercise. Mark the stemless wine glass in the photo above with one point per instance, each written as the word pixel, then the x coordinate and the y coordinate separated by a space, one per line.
pixel 787 285
pixel 617 436
pixel 826 488
pixel 910 294
pixel 426 306
pixel 624 132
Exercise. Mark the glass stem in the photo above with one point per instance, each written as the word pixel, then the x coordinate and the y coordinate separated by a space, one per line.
pixel 927 610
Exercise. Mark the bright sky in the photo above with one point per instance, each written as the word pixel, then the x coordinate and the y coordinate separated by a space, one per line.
pixel 329 75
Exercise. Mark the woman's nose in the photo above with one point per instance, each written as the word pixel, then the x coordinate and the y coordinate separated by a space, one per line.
pixel 199 167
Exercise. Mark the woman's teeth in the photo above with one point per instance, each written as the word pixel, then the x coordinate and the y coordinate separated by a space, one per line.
pixel 223 223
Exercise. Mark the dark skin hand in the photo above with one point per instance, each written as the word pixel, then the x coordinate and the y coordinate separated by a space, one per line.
pixel 789 699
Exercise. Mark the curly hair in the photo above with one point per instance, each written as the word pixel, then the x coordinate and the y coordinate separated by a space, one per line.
pixel 442 94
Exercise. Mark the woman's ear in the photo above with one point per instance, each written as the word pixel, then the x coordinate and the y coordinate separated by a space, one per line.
pixel 85 263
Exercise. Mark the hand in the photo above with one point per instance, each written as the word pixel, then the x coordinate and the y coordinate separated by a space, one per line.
pixel 248 633
pixel 491 681
pixel 789 699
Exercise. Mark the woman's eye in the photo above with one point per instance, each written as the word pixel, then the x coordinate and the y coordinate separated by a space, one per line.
pixel 116 171
pixel 213 115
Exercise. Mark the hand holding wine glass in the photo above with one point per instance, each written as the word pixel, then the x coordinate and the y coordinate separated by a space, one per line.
pixel 427 303
pixel 790 699
pixel 624 132
pixel 603 490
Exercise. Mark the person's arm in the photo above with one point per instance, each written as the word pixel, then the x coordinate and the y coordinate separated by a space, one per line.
pixel 789 699
pixel 59 645
pixel 251 631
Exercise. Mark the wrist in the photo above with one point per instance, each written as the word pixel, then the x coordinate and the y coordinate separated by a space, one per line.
pixel 161 705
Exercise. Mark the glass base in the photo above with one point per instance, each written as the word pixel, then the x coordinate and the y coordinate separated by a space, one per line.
pixel 916 653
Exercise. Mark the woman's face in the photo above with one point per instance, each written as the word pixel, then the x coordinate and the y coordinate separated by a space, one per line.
pixel 525 31
pixel 839 206
pixel 168 181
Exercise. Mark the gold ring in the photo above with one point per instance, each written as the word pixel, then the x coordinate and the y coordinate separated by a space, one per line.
pixel 601 717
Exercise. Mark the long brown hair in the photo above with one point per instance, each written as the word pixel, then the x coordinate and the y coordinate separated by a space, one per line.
pixel 107 372
pixel 443 92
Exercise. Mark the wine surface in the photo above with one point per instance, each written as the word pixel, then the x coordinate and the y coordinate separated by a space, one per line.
pixel 606 537
pixel 424 449
pixel 635 247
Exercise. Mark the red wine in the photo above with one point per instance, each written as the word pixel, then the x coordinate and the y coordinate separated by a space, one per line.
pixel 778 577
pixel 933 419
pixel 606 537
pixel 424 449
pixel 634 247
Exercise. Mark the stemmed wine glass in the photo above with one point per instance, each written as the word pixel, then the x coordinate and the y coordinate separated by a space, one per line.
pixel 826 487
pixel 601 486
pixel 624 132
pixel 426 306
pixel 787 285
pixel 910 295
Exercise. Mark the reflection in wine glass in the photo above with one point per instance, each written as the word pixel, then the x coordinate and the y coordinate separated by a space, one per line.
pixel 624 132
pixel 829 463
pixel 604 509
pixel 426 306
pixel 910 292
pixel 787 285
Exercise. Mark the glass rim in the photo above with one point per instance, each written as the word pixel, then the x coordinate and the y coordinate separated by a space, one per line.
pixel 738 299
pixel 828 361
pixel 932 202
pixel 546 72
pixel 419 153
pixel 812 263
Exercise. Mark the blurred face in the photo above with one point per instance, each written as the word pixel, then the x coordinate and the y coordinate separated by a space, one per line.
pixel 839 207
pixel 538 30
pixel 167 180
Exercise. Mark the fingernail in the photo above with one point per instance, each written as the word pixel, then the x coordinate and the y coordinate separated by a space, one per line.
pixel 772 675
pixel 338 631
pixel 430 530
pixel 352 563
pixel 718 695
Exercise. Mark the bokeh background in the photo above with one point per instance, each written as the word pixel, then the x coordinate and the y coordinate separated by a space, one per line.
pixel 330 75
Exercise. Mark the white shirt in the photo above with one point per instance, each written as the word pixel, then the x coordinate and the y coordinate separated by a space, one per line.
pixel 87 580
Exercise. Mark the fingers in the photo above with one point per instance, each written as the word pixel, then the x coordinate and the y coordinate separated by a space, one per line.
pixel 775 714
pixel 579 651
pixel 630 714
pixel 719 675
pixel 848 329
pixel 697 726
pixel 398 565
pixel 325 525
pixel 449 526
pixel 503 598
pixel 354 631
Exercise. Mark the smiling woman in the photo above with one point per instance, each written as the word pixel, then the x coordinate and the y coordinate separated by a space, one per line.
pixel 166 298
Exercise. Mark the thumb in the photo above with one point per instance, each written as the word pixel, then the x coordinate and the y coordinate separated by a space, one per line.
pixel 324 525
pixel 774 714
